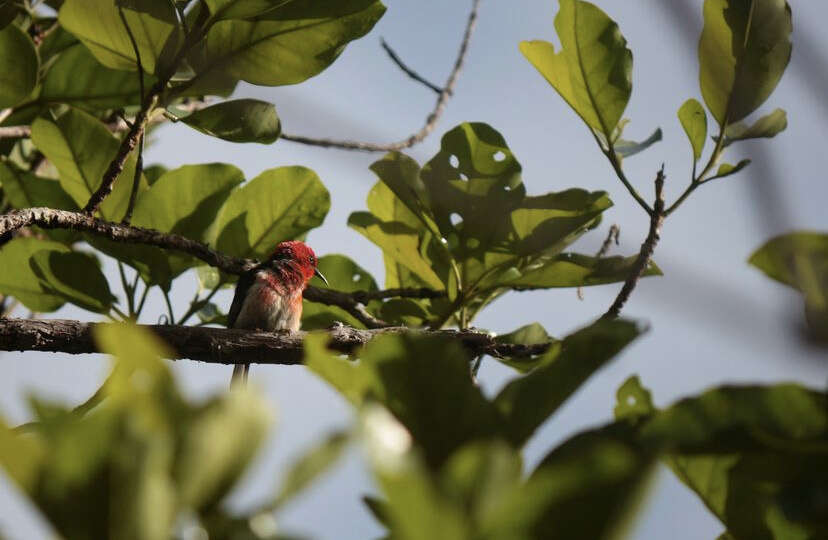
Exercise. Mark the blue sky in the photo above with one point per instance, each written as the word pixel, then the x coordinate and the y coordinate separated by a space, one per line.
pixel 713 318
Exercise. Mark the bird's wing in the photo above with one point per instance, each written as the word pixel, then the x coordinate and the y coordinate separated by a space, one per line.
pixel 246 281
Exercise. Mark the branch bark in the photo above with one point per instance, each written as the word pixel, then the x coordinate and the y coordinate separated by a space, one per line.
pixel 647 248
pixel 230 346
pixel 431 120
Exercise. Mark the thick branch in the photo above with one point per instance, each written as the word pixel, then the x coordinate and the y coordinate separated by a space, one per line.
pixel 229 346
pixel 646 252
pixel 431 121
pixel 49 218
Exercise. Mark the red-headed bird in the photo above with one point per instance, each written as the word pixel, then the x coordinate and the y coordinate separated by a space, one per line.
pixel 269 295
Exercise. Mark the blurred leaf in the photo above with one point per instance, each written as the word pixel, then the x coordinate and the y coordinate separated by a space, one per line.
pixel 19 280
pixel 528 401
pixel 593 70
pixel 241 9
pixel 576 270
pixel 18 66
pixel 626 148
pixel 8 12
pixel 218 445
pixel 344 275
pixel 744 49
pixel 286 45
pixel 279 204
pixel 77 79
pixel 240 120
pixel 694 121
pixel 211 314
pixel 55 42
pixel 633 400
pixel 162 10
pixel 154 172
pixel 767 127
pixel 531 334
pixel 306 469
pixel 98 25
pixel 726 169
pixel 81 148
pixel 77 277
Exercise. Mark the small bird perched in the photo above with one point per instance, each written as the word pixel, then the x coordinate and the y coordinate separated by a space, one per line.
pixel 269 295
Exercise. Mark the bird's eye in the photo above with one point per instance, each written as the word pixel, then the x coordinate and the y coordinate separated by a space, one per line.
pixel 312 259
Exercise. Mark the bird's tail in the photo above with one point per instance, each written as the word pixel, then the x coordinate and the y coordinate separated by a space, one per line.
pixel 240 372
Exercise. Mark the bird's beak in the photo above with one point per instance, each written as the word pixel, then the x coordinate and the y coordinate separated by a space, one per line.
pixel 318 273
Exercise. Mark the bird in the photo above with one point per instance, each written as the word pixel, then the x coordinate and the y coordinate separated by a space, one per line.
pixel 268 297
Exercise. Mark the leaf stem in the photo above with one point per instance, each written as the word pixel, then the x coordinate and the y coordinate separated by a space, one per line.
pixel 129 292
pixel 609 151
pixel 169 305
pixel 197 304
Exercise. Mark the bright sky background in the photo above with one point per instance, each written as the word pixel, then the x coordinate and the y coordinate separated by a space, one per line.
pixel 713 318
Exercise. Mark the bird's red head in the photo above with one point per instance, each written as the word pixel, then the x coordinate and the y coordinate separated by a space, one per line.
pixel 300 257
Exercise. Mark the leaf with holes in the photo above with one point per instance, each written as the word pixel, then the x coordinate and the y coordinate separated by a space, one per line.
pixel 279 204
pixel 744 49
pixel 593 70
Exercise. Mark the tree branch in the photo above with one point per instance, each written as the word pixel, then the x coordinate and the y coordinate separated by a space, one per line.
pixel 49 218
pixel 229 346
pixel 646 252
pixel 407 70
pixel 431 121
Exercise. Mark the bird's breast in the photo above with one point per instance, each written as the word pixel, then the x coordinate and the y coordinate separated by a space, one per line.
pixel 270 305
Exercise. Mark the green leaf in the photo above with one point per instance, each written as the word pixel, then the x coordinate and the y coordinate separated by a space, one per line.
pixel 310 466
pixel 26 190
pixel 694 121
pixel 576 270
pixel 626 148
pixel 593 70
pixel 528 401
pixel 183 201
pixel 162 10
pixel 77 277
pixel 726 169
pixel 8 12
pixel 19 280
pixel 19 65
pixel 154 172
pixel 55 42
pixel 344 275
pixel 633 400
pixel 98 25
pixel 77 79
pixel 240 120
pixel 241 9
pixel 279 204
pixel 81 148
pixel 286 45
pixel 767 127
pixel 743 51
pixel 530 334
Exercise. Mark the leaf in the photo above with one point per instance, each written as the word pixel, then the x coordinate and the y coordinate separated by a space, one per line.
pixel 726 169
pixel 19 280
pixel 694 121
pixel 8 12
pixel 528 401
pixel 26 190
pixel 743 51
pixel 240 120
pixel 633 400
pixel 98 25
pixel 241 9
pixel 626 148
pixel 286 45
pixel 162 10
pixel 767 127
pixel 343 274
pixel 19 65
pixel 183 201
pixel 576 270
pixel 77 78
pixel 77 277
pixel 81 149
pixel 530 334
pixel 279 204
pixel 593 70
pixel 315 462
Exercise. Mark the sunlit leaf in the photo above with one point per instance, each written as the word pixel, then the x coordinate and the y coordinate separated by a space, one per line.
pixel 744 48
pixel 240 120
pixel 694 121
pixel 576 270
pixel 726 169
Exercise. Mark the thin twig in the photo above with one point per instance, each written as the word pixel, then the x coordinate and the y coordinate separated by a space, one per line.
pixel 15 132
pixel 230 346
pixel 431 120
pixel 136 181
pixel 408 71
pixel 646 252
pixel 136 51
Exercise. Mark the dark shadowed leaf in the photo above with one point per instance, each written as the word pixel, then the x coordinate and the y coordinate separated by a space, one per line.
pixel 531 334
pixel 626 148
pixel 240 120
pixel 19 280
pixel 343 274
pixel 241 9
pixel 528 401
pixel 726 169
pixel 162 10
pixel 576 270
pixel 767 127
pixel 593 70
pixel 694 121
pixel 77 277
pixel 744 48
pixel 18 66
pixel 279 204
